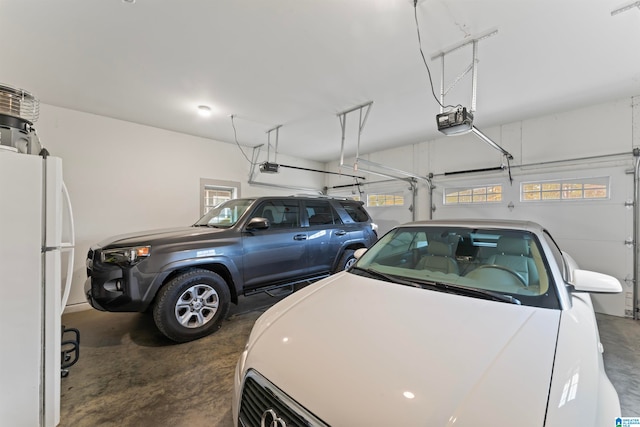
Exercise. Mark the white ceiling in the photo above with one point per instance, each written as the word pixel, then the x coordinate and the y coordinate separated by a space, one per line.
pixel 297 63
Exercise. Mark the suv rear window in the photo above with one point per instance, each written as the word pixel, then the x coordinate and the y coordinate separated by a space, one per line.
pixel 355 210
pixel 320 212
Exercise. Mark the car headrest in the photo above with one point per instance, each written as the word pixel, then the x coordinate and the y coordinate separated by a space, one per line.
pixel 440 249
pixel 512 246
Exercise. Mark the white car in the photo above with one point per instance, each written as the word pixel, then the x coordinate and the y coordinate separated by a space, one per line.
pixel 440 323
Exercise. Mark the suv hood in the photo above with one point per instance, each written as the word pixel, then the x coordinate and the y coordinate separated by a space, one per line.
pixel 165 235
pixel 358 351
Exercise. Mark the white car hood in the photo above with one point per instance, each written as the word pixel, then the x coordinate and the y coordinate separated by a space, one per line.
pixel 357 351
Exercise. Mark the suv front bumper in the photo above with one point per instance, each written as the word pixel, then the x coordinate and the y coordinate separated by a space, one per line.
pixel 114 288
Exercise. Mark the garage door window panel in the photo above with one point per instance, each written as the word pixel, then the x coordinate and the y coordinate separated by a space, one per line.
pixel 395 199
pixel 570 189
pixel 482 194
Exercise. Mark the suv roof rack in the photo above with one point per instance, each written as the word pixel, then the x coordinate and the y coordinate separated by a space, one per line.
pixel 321 196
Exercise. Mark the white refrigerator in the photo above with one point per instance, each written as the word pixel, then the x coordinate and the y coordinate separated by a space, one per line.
pixel 34 212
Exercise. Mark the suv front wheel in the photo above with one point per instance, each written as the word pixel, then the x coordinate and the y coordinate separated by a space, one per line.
pixel 346 261
pixel 192 305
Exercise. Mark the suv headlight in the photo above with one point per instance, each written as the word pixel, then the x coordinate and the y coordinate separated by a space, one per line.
pixel 131 255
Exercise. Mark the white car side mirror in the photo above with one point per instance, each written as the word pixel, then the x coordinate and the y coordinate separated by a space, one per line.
pixel 359 252
pixel 590 281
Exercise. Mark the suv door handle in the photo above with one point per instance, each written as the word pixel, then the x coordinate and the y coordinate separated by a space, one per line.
pixel 300 237
pixel 340 233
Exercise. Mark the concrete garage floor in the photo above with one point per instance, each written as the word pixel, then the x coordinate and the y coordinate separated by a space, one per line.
pixel 128 374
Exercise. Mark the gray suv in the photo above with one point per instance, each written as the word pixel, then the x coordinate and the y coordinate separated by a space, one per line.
pixel 189 276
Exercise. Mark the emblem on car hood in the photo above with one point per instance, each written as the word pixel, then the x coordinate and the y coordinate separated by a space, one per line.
pixel 271 419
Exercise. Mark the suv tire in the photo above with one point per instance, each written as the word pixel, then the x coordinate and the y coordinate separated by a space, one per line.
pixel 346 261
pixel 192 305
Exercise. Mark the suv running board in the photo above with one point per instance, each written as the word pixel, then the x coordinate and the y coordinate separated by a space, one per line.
pixel 269 289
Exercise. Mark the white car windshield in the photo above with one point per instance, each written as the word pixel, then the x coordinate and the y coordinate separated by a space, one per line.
pixel 499 264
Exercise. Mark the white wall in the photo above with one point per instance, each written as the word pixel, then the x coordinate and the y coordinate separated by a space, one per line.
pixel 125 177
pixel 593 232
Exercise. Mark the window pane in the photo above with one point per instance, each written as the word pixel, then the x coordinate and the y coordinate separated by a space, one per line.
pixel 573 194
pixel 550 186
pixel 214 196
pixel 551 195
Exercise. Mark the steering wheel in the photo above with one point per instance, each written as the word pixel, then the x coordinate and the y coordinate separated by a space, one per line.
pixel 503 268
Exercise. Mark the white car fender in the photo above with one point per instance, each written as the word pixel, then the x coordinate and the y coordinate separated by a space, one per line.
pixel 579 384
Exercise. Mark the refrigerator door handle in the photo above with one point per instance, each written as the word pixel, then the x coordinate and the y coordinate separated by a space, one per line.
pixel 68 247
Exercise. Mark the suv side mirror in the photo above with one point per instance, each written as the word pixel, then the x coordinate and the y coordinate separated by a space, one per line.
pixel 258 223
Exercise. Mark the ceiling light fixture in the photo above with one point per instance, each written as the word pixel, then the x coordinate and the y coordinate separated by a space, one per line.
pixel 204 110
pixel 625 8
pixel 129 1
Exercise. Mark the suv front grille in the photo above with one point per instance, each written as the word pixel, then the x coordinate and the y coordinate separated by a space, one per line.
pixel 262 403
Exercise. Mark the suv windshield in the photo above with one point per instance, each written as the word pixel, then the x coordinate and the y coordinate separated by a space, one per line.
pixel 226 214
pixel 507 263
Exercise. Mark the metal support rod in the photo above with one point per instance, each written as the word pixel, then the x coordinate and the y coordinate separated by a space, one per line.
pixel 275 157
pixel 254 160
pixel 442 92
pixel 321 171
pixel 382 174
pixel 358 184
pixel 625 8
pixel 396 171
pixel 636 232
pixel 358 144
pixel 489 141
pixel 461 45
pixel 497 168
pixel 268 146
pixel 555 162
pixel 474 78
pixel 414 194
pixel 355 108
pixel 286 187
pixel 343 124
pixel 431 188
pixel 473 67
pixel 455 82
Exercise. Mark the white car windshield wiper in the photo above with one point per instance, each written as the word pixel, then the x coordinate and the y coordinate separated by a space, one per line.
pixel 379 275
pixel 474 292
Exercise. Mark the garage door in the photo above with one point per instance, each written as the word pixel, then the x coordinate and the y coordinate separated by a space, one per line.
pixel 585 207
